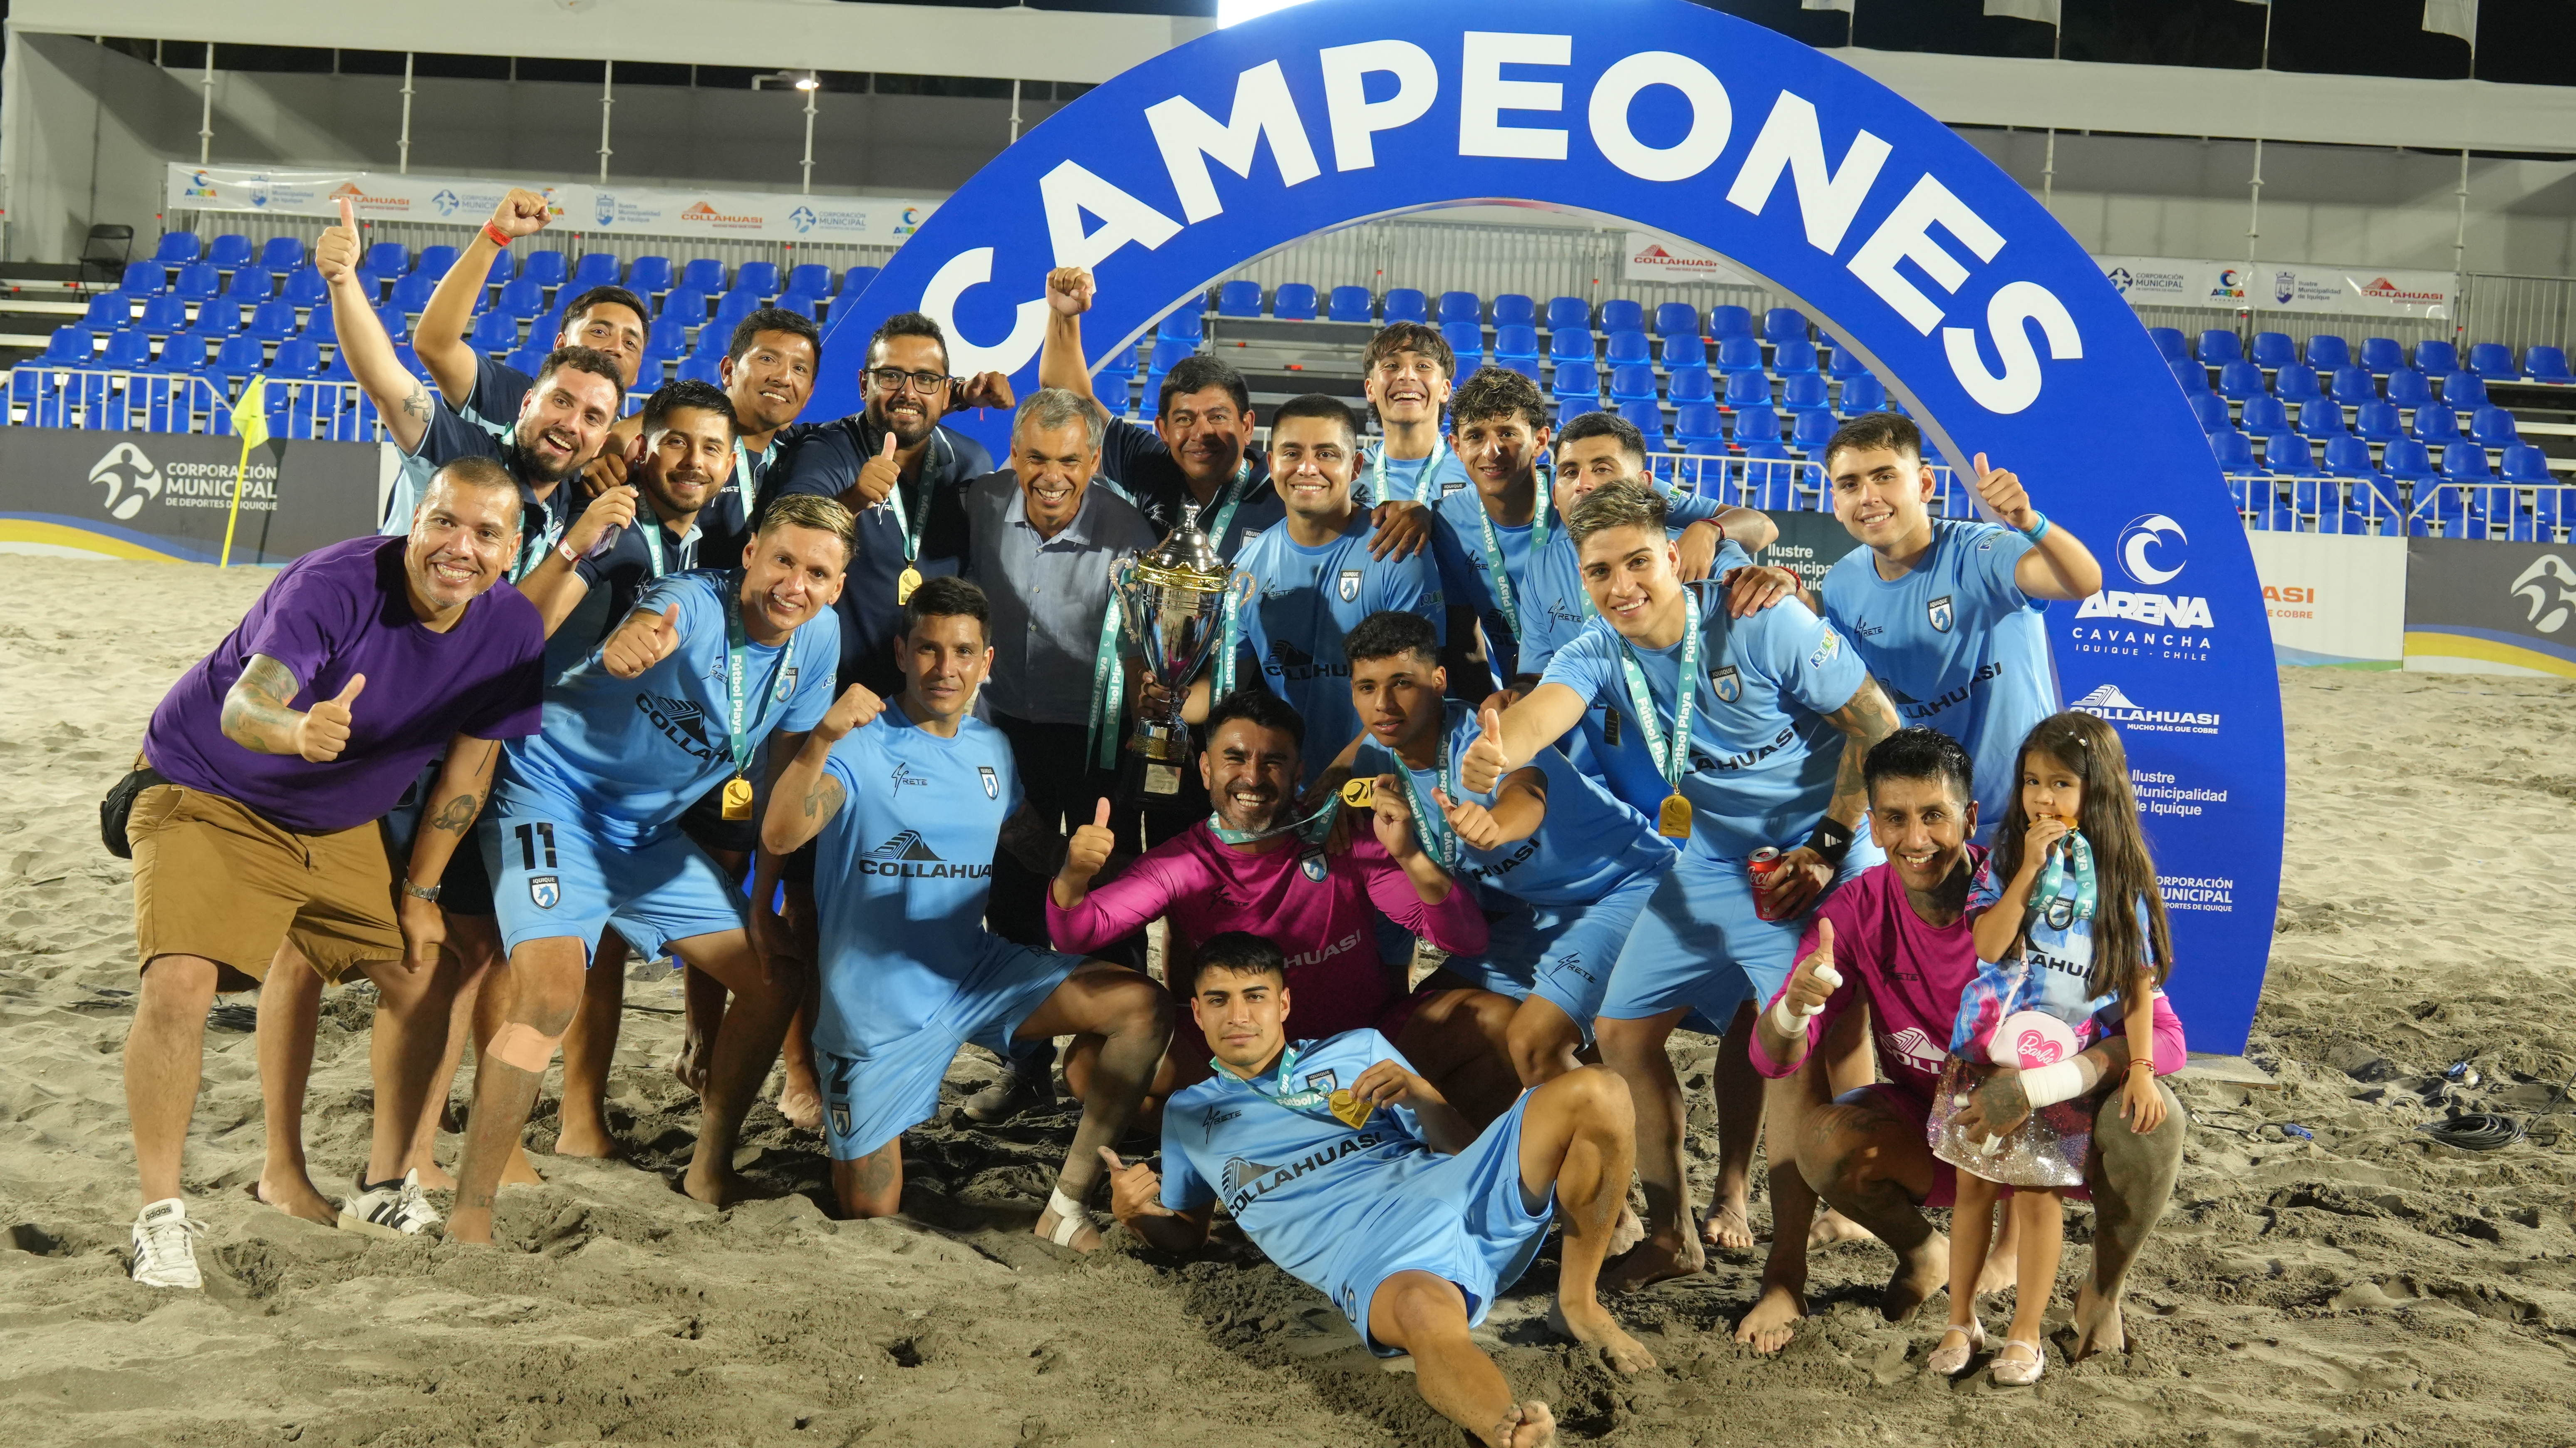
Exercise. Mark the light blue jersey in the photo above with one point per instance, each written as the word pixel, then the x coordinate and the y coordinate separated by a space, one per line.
pixel 1957 645
pixel 627 757
pixel 1762 757
pixel 1309 600
pixel 1404 480
pixel 1343 1208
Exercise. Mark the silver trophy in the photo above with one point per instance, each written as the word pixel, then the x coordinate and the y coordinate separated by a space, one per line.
pixel 1173 603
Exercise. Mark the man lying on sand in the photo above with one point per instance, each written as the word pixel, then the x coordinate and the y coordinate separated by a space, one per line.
pixel 1357 1177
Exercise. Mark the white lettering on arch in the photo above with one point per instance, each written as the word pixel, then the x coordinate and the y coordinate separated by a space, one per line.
pixel 1070 190
pixel 973 268
pixel 1906 235
pixel 1355 118
pixel 1190 138
pixel 2008 314
pixel 1712 116
pixel 1827 199
pixel 1483 95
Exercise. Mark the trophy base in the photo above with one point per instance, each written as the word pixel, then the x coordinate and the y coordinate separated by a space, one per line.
pixel 1160 751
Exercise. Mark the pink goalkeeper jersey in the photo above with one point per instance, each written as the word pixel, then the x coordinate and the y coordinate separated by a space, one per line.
pixel 1320 910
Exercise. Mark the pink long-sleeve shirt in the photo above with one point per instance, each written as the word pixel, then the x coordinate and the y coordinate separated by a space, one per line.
pixel 1320 910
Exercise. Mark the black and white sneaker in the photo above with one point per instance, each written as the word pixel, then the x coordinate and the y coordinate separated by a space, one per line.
pixel 165 1246
pixel 393 1210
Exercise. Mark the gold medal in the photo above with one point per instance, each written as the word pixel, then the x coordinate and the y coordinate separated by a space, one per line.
pixel 1673 820
pixel 1349 1109
pixel 737 798
pixel 904 583
pixel 1360 793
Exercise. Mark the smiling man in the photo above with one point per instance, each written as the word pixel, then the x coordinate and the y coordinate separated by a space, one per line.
pixel 1406 373
pixel 584 834
pixel 255 842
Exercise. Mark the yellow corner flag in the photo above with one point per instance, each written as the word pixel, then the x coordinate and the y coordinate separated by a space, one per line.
pixel 250 423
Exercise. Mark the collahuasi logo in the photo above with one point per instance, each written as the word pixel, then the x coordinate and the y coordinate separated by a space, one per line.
pixel 908 857
pixel 2111 706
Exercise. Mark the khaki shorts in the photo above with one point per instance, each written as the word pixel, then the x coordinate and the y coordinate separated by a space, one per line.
pixel 214 879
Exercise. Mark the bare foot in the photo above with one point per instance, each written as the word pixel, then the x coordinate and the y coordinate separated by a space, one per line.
pixel 800 1103
pixel 1530 1425
pixel 1727 1229
pixel 518 1173
pixel 588 1137
pixel 690 1064
pixel 471 1226
pixel 1595 1326
pixel 2002 1269
pixel 1086 1238
pixel 433 1177
pixel 1774 1320
pixel 716 1188
pixel 1916 1280
pixel 1652 1262
pixel 1626 1232
pixel 1831 1226
pixel 2098 1325
pixel 293 1194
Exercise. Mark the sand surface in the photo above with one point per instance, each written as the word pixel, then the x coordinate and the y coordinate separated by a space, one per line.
pixel 2366 1286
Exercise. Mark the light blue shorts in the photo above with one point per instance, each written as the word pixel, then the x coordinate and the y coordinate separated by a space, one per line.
pixel 1562 954
pixel 1463 1219
pixel 1701 944
pixel 551 877
pixel 876 1091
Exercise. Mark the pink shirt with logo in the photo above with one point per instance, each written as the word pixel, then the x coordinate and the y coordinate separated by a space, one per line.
pixel 1325 921
pixel 1911 975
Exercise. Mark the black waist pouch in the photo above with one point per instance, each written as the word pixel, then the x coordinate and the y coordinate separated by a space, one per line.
pixel 119 804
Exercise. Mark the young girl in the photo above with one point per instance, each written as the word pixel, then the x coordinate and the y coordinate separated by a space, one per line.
pixel 2072 946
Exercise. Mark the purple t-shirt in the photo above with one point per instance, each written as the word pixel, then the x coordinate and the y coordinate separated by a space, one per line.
pixel 334 613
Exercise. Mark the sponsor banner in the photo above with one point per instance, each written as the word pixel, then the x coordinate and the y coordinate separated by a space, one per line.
pixel 1657 258
pixel 2165 281
pixel 2333 600
pixel 167 495
pixel 2490 608
pixel 574 206
pixel 1809 543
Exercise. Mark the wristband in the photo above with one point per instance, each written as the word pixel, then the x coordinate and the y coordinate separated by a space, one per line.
pixel 2038 530
pixel 564 551
pixel 423 892
pixel 496 236
pixel 1787 1022
pixel 2048 1085
pixel 2146 1061
pixel 1831 841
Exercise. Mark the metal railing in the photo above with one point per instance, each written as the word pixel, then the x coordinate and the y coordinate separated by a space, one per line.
pixel 2396 508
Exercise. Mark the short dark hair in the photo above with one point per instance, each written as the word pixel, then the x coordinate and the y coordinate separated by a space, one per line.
pixel 1254 705
pixel 947 596
pixel 746 333
pixel 581 359
pixel 688 392
pixel 1498 392
pixel 1397 337
pixel 908 324
pixel 1891 430
pixel 1604 424
pixel 477 471
pixel 612 293
pixel 1390 633
pixel 1921 752
pixel 1628 503
pixel 1316 404
pixel 1195 373
pixel 1241 952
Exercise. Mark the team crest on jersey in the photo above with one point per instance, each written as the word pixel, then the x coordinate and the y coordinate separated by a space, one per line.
pixel 1312 863
pixel 840 1119
pixel 1325 1080
pixel 1940 612
pixel 992 781
pixel 1728 683
pixel 544 892
pixel 1350 585
pixel 787 683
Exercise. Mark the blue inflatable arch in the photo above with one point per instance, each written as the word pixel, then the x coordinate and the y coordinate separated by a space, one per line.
pixel 1902 240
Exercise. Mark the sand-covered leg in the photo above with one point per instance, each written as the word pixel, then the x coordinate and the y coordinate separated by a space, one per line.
pixel 2132 1178
pixel 539 990
pixel 1132 1016
pixel 290 1008
pixel 1739 1130
pixel 589 1049
pixel 1426 1316
pixel 1578 1135
pixel 1635 1050
pixel 164 1059
pixel 744 1049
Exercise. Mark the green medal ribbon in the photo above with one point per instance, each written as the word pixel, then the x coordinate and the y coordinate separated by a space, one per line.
pixel 2075 862
pixel 1421 480
pixel 1312 828
pixel 1429 825
pixel 533 548
pixel 1668 762
pixel 1108 689
pixel 1304 1103
pixel 1503 592
pixel 743 743
pixel 650 525
pixel 1227 501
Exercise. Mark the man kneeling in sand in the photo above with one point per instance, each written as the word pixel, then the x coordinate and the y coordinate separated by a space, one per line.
pixel 1354 1175
pixel 1898 939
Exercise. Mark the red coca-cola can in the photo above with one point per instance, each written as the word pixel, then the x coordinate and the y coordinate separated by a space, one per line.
pixel 1759 867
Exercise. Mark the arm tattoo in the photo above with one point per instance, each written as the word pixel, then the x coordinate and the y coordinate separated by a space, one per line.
pixel 823 799
pixel 457 815
pixel 1867 719
pixel 255 713
pixel 415 404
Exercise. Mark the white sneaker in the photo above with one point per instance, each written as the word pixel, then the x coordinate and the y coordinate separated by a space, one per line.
pixel 165 1248
pixel 393 1210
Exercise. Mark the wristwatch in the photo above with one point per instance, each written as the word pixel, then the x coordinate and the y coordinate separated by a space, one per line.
pixel 421 892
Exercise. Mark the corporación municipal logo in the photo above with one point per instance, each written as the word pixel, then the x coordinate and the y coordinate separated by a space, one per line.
pixel 802 218
pixel 445 201
pixel 2547 575
pixel 131 481
pixel 2119 278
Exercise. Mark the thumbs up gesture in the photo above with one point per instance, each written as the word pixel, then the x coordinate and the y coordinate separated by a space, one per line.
pixel 2004 493
pixel 1815 978
pixel 1486 761
pixel 877 478
pixel 1088 850
pixel 645 639
pixel 323 731
pixel 336 250
pixel 1470 821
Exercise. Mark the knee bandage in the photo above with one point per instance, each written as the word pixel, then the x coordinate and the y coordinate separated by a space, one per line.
pixel 523 1046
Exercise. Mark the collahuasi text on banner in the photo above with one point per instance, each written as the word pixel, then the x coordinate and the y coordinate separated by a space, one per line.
pixel 2165 281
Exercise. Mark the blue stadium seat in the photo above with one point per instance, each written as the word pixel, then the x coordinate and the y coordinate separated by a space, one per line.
pixel 760 278
pixel 1633 384
pixel 2353 386
pixel 1784 324
pixel 2211 409
pixel 240 356
pixel 2465 462
pixel 2434 357
pixel 856 279
pixel 2287 453
pixel 2264 415
pixel 1810 431
pixel 1684 349
pixel 705 273
pixel 189 349
pixel 318 323
pixel 1620 314
pixel 177 249
pixel 1114 388
pixel 2170 342
pixel 650 276
pixel 163 315
pixel 1628 349
pixel 2408 388
pixel 2321 420
pixel 2273 350
pixel 694 368
pixel 547 268
pixel 1467 339
pixel 1570 408
pixel 1803 392
pixel 1648 418
pixel 282 253
pixel 2464 389
pixel 1568 312
pixel 2527 466
pixel 530 359
pixel 250 286
pixel 108 312
pixel 1515 342
pixel 733 306
pixel 522 297
pixel 2234 451
pixel 1570 344
pixel 1293 302
pixel 497 333
pixel 1182 324
pixel 2296 382
pixel 1747 389
pixel 596 269
pixel 2218 347
pixel 2348 457
pixel 1350 304
pixel 686 303
pixel 2436 425
pixel 305 287
pixel 197 281
pixel 669 333
pixel 390 317
pixel 141 279
pixel 2407 461
pixel 808 307
pixel 437 261
pixel 1461 307
pixel 1739 354
pixel 2326 352
pixel 2382 354
pixel 1793 356
pixel 1729 321
pixel 1406 304
pixel 229 250
pixel 1689 386
pixel 1864 393
pixel 1511 309
pixel 2493 427
pixel 1698 428
pixel 127 351
pixel 1239 299
pixel 1757 433
pixel 1676 319
pixel 411 294
pixel 271 321
pixel 297 357
pixel 2191 377
pixel 2238 381
pixel 387 259
pixel 1169 352
pixel 811 279
pixel 2493 361
pixel 1576 379
pixel 2543 363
